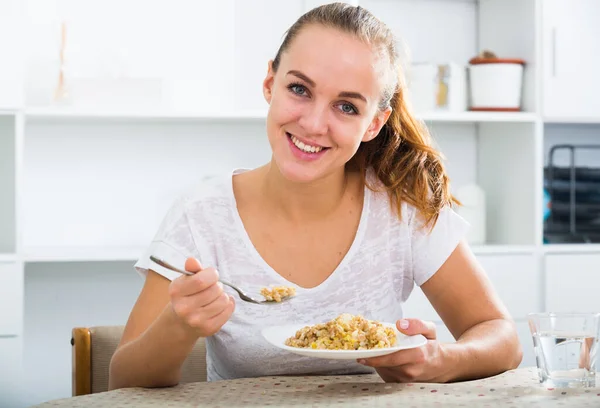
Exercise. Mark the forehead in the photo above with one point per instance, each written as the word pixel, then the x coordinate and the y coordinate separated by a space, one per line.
pixel 335 60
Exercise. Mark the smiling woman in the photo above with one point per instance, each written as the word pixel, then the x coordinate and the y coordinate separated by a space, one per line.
pixel 352 210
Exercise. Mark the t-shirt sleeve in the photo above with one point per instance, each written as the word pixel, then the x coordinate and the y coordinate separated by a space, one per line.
pixel 431 247
pixel 173 242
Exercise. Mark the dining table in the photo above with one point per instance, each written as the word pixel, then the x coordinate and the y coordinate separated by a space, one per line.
pixel 515 388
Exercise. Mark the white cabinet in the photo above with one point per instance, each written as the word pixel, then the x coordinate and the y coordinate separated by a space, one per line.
pixel 515 279
pixel 11 299
pixel 572 283
pixel 571 60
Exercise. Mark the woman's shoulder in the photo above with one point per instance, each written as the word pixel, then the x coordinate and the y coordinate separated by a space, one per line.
pixel 211 187
pixel 209 192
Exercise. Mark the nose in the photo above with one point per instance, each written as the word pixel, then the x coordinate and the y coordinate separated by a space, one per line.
pixel 314 120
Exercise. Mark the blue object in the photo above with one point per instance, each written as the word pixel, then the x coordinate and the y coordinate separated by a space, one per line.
pixel 547 204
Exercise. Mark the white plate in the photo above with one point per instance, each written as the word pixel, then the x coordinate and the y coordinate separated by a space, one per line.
pixel 277 335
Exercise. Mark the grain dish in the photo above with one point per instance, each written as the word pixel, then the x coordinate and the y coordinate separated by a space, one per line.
pixel 345 332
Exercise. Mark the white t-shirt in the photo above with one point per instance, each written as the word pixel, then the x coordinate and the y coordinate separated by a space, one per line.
pixel 388 256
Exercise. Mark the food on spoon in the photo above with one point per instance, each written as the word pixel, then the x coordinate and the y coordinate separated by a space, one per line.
pixel 277 293
pixel 346 332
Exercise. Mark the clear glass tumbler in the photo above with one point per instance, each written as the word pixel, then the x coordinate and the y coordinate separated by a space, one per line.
pixel 565 347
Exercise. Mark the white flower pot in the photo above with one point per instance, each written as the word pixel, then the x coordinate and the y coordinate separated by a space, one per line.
pixel 495 84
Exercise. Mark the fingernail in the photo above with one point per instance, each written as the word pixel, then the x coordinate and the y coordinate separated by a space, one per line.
pixel 361 362
pixel 404 324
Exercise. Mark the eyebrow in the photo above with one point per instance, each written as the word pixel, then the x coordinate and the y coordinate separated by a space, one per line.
pixel 344 94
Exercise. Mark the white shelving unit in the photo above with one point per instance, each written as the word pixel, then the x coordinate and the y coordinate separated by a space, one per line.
pixel 58 115
pixel 81 254
pixel 5 258
pixel 54 114
pixel 84 189
pixel 570 249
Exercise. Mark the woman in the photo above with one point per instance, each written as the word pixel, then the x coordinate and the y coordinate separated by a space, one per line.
pixel 353 209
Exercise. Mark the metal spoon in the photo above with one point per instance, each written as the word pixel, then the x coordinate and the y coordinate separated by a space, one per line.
pixel 240 292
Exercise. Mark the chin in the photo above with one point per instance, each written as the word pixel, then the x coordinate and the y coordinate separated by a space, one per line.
pixel 297 173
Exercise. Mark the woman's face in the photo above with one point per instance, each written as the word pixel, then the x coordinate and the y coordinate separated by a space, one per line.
pixel 323 102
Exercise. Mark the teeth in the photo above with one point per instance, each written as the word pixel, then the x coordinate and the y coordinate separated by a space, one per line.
pixel 304 147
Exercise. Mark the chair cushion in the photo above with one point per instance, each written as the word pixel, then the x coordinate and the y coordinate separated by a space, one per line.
pixel 104 342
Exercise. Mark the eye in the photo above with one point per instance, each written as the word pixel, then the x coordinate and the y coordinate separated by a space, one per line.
pixel 348 108
pixel 298 89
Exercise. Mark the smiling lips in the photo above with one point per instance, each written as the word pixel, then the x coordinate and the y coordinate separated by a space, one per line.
pixel 306 148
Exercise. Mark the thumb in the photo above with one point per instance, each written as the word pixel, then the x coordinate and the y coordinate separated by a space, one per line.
pixel 411 327
pixel 192 265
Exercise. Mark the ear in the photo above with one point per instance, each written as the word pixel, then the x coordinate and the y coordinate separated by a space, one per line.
pixel 376 124
pixel 268 83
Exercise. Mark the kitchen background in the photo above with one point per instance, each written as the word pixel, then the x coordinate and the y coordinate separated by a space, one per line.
pixel 108 109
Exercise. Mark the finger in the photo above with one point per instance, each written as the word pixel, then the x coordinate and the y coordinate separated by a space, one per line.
pixel 192 265
pixel 411 327
pixel 207 296
pixel 191 285
pixel 393 375
pixel 200 282
pixel 399 358
pixel 218 320
pixel 217 306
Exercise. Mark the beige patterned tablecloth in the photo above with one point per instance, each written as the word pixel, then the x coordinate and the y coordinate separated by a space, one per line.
pixel 517 388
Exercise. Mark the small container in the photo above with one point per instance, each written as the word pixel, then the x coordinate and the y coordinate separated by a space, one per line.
pixel 438 87
pixel 495 84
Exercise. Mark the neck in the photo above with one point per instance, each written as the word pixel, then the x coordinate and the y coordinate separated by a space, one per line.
pixel 303 202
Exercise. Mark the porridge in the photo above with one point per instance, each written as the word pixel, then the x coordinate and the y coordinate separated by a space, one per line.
pixel 346 332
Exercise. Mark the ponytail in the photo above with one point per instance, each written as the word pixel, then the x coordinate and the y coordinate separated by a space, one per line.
pixel 405 162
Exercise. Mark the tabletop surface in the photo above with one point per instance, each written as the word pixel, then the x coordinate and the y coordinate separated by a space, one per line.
pixel 515 388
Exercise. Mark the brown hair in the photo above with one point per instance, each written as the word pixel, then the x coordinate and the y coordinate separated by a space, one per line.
pixel 402 155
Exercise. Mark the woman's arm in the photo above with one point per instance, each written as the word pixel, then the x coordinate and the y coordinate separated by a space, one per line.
pixel 154 344
pixel 165 323
pixel 487 342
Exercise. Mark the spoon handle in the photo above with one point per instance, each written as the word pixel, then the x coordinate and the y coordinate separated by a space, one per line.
pixel 167 265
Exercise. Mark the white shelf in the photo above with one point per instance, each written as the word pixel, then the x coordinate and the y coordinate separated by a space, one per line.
pixel 8 112
pixel 82 254
pixel 58 114
pixel 8 257
pixel 582 120
pixel 571 248
pixel 503 249
pixel 475 117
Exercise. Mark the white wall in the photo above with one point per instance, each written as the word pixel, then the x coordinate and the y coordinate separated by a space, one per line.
pixel 182 51
pixel 11 50
pixel 437 31
pixel 80 178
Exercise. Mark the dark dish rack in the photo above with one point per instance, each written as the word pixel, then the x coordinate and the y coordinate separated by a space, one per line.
pixel 574 199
